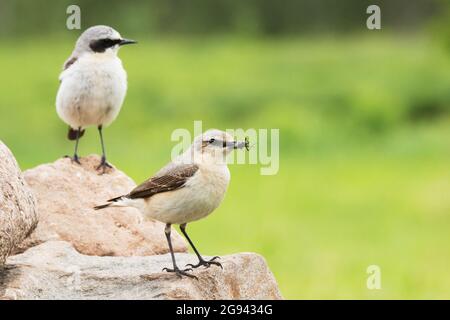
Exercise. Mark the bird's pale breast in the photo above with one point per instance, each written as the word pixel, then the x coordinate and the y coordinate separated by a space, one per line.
pixel 92 91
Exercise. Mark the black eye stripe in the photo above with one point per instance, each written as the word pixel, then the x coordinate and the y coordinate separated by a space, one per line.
pixel 101 45
pixel 215 142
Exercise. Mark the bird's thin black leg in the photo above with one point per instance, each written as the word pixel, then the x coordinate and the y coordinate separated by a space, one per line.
pixel 175 269
pixel 201 261
pixel 75 154
pixel 103 164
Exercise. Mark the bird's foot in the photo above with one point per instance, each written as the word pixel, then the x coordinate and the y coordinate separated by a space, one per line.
pixel 181 273
pixel 206 263
pixel 104 166
pixel 75 159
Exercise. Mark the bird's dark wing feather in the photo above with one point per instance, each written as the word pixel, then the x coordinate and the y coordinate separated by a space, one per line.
pixel 69 62
pixel 170 180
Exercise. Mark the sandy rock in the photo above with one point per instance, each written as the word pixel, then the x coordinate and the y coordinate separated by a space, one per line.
pixel 66 193
pixel 54 270
pixel 18 215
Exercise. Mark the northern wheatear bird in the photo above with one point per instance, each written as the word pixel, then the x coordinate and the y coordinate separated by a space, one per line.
pixel 93 84
pixel 185 190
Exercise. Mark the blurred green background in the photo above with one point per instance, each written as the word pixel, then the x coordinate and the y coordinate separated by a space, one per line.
pixel 363 116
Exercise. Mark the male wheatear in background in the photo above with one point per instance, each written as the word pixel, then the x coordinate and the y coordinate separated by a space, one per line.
pixel 185 190
pixel 93 84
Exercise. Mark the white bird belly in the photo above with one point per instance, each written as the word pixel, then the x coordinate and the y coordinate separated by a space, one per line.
pixel 92 91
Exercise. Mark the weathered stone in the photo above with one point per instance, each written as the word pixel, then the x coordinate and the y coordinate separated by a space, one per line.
pixel 66 194
pixel 54 270
pixel 18 216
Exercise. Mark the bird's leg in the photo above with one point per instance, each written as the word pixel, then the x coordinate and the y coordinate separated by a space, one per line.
pixel 103 164
pixel 175 269
pixel 75 154
pixel 201 261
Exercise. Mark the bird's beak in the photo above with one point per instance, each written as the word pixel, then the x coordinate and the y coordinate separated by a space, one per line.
pixel 239 144
pixel 126 41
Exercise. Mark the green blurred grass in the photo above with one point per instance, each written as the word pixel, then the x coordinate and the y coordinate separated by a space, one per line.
pixel 364 124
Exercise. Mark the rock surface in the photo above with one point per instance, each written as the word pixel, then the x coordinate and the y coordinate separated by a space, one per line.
pixel 54 270
pixel 66 193
pixel 18 216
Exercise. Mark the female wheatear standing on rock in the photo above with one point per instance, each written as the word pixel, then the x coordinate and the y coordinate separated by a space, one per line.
pixel 185 190
pixel 93 84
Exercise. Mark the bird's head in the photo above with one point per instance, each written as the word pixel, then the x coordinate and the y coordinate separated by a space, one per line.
pixel 214 146
pixel 100 39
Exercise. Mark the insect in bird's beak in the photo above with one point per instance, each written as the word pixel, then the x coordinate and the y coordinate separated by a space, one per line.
pixel 240 145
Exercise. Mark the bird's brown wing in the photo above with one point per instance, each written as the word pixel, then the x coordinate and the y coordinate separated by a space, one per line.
pixel 170 180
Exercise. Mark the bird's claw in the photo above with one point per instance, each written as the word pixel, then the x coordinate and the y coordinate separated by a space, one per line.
pixel 206 263
pixel 104 165
pixel 181 273
pixel 75 159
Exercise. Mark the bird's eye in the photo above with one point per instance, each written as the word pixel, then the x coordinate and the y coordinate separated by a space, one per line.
pixel 212 140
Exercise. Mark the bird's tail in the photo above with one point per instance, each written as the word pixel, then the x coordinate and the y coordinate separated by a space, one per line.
pixel 111 203
pixel 103 206
pixel 73 134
